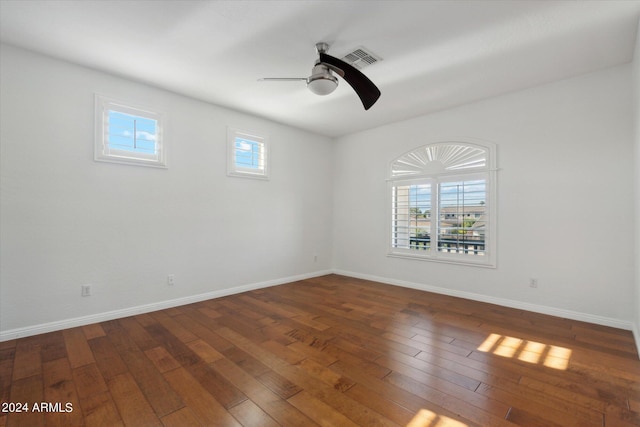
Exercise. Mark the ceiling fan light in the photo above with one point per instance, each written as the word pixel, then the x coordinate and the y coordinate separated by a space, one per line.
pixel 323 85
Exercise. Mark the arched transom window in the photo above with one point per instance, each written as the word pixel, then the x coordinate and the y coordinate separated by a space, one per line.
pixel 443 203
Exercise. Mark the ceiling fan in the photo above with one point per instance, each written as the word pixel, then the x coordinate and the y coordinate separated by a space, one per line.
pixel 322 81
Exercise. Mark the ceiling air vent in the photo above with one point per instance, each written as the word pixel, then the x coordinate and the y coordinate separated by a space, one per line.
pixel 361 58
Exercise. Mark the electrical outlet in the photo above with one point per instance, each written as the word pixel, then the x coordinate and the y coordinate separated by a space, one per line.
pixel 533 283
pixel 85 290
pixel 171 279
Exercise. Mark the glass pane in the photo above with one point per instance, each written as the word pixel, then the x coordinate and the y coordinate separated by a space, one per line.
pixel 248 154
pixel 132 133
pixel 462 222
pixel 411 217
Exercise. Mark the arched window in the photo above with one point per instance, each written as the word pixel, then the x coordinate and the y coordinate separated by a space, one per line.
pixel 443 203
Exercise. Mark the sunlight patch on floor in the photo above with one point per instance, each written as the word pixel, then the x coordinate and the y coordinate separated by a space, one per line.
pixel 551 356
pixel 426 418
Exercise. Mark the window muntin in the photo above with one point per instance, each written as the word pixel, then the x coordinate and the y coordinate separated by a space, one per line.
pixel 442 204
pixel 127 134
pixel 247 155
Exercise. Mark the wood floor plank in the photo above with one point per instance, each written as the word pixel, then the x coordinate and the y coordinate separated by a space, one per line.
pixel 268 401
pixel 145 319
pixel 247 362
pixel 326 375
pixel 319 411
pixel 4 345
pixel 524 418
pixel 250 414
pixel 162 398
pixel 204 328
pixel 60 390
pixel 133 407
pixel 120 339
pixel 328 350
pixel 216 385
pixel 181 418
pixel 100 410
pixel 174 346
pixel 76 341
pixel 26 392
pixel 163 361
pixel 137 333
pixel 390 409
pixel 93 331
pixel 425 372
pixel 278 331
pixel 89 380
pixel 7 357
pixel 204 351
pixel 317 388
pixel 322 357
pixel 278 384
pixel 391 393
pixel 283 352
pixel 524 405
pixel 486 412
pixel 107 357
pixel 27 359
pixel 174 327
pixel 52 346
pixel 205 407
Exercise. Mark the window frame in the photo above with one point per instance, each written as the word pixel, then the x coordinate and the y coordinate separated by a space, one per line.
pixel 103 152
pixel 233 169
pixel 436 179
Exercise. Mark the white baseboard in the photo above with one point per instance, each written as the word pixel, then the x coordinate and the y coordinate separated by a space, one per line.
pixel 146 308
pixel 552 311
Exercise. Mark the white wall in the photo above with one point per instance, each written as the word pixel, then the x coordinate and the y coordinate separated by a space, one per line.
pixel 636 117
pixel 566 170
pixel 67 220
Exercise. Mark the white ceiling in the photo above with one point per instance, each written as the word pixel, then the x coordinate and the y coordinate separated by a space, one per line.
pixel 436 54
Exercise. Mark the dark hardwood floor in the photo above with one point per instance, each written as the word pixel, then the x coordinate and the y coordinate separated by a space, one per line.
pixel 331 351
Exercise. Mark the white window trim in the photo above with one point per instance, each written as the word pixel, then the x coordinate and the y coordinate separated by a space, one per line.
pixel 235 171
pixel 102 151
pixel 488 172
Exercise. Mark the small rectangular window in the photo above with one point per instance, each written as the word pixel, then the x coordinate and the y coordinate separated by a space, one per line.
pixel 127 134
pixel 247 155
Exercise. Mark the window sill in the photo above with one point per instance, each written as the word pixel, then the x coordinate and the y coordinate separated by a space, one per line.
pixel 486 263
pixel 131 161
pixel 248 175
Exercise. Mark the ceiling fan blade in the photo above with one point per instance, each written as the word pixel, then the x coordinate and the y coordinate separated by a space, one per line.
pixel 281 79
pixel 364 88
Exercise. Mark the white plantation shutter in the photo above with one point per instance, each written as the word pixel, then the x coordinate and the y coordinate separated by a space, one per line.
pixel 411 216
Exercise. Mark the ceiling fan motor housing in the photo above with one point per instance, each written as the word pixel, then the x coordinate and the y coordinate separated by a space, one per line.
pixel 322 81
